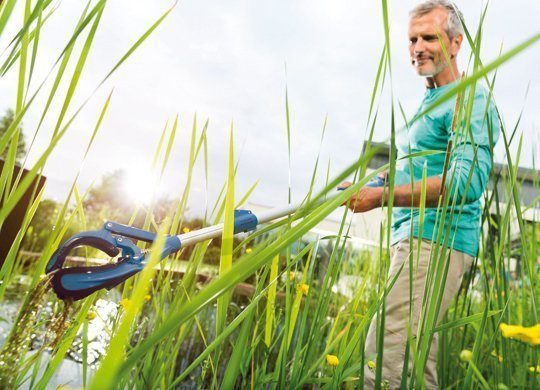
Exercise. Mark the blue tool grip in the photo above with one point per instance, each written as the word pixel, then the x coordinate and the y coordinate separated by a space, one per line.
pixel 375 181
pixel 172 244
pixel 244 221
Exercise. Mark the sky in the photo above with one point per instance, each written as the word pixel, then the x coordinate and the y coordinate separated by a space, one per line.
pixel 231 63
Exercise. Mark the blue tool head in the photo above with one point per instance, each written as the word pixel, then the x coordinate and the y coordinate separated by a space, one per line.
pixel 79 282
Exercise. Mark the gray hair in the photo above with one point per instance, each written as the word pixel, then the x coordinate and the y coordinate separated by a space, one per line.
pixel 454 18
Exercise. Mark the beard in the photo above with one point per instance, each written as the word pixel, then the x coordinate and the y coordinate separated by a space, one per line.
pixel 429 67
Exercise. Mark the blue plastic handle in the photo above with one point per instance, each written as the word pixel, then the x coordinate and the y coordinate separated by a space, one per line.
pixel 376 181
pixel 244 221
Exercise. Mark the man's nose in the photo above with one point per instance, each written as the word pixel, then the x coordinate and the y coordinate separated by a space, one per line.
pixel 419 46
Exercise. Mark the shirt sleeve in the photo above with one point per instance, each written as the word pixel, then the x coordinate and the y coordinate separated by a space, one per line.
pixel 472 150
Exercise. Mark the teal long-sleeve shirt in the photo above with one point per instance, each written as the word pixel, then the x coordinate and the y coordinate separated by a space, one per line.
pixel 432 132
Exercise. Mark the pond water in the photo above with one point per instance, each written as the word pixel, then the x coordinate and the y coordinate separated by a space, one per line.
pixel 106 312
pixel 70 371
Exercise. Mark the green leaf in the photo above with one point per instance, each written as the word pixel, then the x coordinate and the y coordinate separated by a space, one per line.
pixel 225 262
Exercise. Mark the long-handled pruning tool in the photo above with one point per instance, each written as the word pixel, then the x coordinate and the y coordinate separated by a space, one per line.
pixel 79 282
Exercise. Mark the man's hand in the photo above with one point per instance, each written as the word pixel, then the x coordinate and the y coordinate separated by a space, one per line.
pixel 367 198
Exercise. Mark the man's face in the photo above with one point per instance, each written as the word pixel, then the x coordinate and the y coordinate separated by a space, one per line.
pixel 427 56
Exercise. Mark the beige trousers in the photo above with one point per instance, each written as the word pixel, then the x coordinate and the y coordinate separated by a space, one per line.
pixel 398 305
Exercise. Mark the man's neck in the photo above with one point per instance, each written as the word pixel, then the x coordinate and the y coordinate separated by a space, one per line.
pixel 446 76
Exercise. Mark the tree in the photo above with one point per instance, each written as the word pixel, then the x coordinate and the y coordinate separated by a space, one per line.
pixel 5 122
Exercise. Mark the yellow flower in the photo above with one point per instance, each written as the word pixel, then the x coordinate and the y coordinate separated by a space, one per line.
pixel 530 335
pixel 332 360
pixel 125 303
pixel 91 315
pixel 466 355
pixel 185 230
pixel 499 357
pixel 291 276
pixel 371 365
pixel 303 288
pixel 534 369
pixel 147 297
pixel 249 250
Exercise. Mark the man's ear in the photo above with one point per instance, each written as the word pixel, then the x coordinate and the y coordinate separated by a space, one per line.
pixel 456 45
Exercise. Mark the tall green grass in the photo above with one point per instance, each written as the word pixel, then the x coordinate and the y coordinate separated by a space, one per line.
pixel 173 331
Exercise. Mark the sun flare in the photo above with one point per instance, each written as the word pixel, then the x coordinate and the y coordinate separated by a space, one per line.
pixel 140 184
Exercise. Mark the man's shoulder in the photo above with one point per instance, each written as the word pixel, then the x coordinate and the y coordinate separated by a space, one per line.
pixel 482 96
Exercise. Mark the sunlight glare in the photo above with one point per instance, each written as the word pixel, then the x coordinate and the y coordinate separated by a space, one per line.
pixel 140 184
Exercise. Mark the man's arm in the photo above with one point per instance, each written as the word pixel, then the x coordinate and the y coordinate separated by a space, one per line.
pixel 467 173
pixel 409 196
pixel 405 195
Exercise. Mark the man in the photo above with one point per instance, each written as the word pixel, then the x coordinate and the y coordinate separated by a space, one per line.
pixel 435 38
